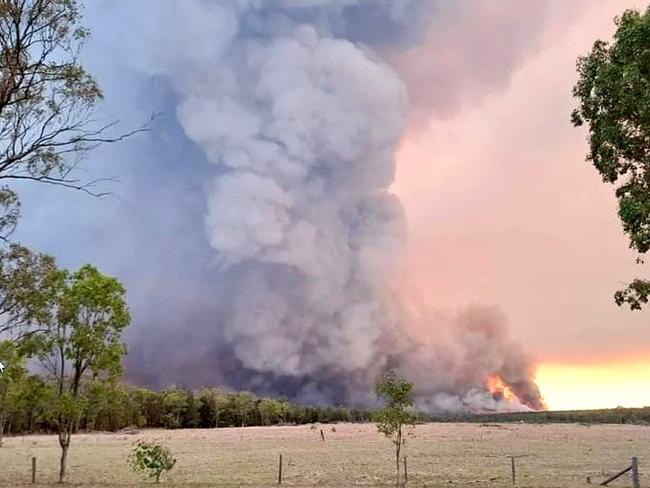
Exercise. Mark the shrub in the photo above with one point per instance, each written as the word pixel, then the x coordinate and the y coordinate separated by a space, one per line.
pixel 151 457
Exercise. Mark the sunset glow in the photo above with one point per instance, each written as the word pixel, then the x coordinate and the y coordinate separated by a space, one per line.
pixel 505 212
pixel 610 385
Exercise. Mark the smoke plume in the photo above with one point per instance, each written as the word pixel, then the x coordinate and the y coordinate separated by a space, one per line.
pixel 296 107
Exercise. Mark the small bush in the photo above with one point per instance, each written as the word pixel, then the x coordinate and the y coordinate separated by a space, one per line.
pixel 154 458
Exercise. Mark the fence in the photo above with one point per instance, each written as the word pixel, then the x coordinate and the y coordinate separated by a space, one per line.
pixel 633 469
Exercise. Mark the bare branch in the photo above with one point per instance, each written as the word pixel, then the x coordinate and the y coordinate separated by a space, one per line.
pixel 47 99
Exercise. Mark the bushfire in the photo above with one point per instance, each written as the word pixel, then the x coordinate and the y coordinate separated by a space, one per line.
pixel 499 390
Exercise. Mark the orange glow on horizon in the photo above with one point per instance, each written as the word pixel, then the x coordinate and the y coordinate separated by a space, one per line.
pixel 581 386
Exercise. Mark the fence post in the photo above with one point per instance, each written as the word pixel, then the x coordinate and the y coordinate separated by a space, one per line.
pixel 406 471
pixel 514 474
pixel 635 473
pixel 280 471
pixel 33 470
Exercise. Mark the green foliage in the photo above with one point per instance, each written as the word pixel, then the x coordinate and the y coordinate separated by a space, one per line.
pixel 396 393
pixel 64 409
pixel 86 333
pixel 173 401
pixel 269 411
pixel 614 93
pixel 9 380
pixel 30 403
pixel 244 405
pixel 190 412
pixel 395 415
pixel 618 415
pixel 9 211
pixel 635 295
pixel 83 342
pixel 208 404
pixel 151 457
pixel 28 283
pixel 94 311
pixel 111 406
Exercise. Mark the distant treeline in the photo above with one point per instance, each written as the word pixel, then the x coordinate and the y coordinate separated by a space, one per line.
pixel 112 407
pixel 115 407
pixel 620 415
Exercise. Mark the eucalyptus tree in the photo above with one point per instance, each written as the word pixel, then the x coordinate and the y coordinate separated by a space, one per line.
pixel 395 416
pixel 614 94
pixel 83 343
pixel 47 100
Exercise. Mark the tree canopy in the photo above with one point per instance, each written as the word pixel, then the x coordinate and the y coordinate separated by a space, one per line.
pixel 28 283
pixel 614 94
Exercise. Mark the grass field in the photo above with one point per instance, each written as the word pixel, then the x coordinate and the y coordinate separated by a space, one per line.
pixel 452 455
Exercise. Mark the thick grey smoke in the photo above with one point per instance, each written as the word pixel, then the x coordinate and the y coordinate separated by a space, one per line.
pixel 293 105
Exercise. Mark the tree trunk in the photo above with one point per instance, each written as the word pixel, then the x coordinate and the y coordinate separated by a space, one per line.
pixel 3 421
pixel 64 459
pixel 397 467
pixel 64 442
pixel 398 449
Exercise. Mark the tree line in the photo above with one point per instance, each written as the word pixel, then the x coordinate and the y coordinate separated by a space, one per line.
pixel 619 415
pixel 115 406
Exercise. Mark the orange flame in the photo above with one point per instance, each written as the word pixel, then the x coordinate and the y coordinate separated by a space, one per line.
pixel 499 390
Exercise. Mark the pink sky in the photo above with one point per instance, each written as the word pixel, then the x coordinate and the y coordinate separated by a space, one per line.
pixel 502 207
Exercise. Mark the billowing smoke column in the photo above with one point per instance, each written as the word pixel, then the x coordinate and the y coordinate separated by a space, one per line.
pixel 290 99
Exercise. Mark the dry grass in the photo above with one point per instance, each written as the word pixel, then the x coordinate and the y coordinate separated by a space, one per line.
pixel 451 455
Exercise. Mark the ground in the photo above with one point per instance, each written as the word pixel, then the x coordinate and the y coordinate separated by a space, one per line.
pixel 451 455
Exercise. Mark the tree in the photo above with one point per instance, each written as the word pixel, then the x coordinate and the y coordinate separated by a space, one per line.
pixel 47 100
pixel 29 403
pixel 269 411
pixel 14 373
pixel 140 398
pixel 244 406
pixel 392 419
pixel 614 94
pixel 190 412
pixel 110 406
pixel 27 287
pixel 152 407
pixel 174 403
pixel 83 341
pixel 208 408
